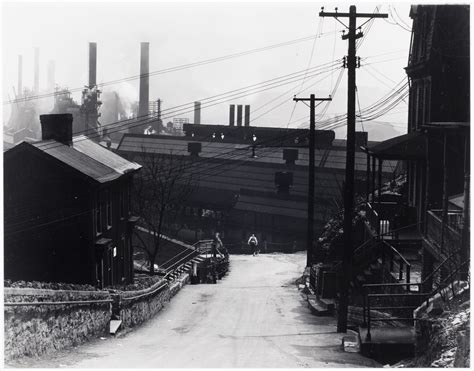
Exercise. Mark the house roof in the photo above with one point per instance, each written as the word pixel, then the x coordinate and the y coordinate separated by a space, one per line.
pixel 409 146
pixel 87 157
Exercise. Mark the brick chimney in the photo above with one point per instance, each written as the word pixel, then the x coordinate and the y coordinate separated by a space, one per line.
pixel 58 127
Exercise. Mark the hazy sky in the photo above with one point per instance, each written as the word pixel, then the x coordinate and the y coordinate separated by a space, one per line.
pixel 180 33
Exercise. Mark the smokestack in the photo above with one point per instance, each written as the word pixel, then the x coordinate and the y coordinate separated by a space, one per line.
pixel 239 115
pixel 36 76
pixel 232 115
pixel 144 79
pixel 247 115
pixel 197 113
pixel 20 76
pixel 92 65
pixel 51 77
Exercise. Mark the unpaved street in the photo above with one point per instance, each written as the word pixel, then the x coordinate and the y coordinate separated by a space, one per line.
pixel 254 317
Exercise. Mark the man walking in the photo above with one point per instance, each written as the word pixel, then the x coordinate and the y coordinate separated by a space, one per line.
pixel 253 243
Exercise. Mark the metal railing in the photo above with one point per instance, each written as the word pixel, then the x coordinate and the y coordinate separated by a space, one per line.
pixel 402 298
pixel 68 302
pixel 395 256
pixel 452 231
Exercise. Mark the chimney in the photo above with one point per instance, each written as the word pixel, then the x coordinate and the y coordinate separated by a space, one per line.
pixel 232 115
pixel 194 148
pixel 361 138
pixel 283 181
pixel 290 155
pixel 197 113
pixel 247 115
pixel 36 76
pixel 57 127
pixel 239 115
pixel 144 79
pixel 20 76
pixel 92 65
pixel 51 77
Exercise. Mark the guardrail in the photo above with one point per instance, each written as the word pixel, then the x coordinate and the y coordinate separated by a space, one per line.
pixel 69 302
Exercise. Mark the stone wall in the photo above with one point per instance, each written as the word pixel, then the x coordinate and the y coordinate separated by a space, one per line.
pixel 42 329
pixel 441 327
pixel 134 311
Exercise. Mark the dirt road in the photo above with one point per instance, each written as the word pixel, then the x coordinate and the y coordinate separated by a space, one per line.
pixel 254 317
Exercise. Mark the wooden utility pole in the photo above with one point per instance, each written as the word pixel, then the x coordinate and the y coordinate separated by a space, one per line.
pixel 312 128
pixel 346 272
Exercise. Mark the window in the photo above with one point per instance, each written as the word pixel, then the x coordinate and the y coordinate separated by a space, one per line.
pixel 122 203
pixel 427 101
pixel 108 209
pixel 98 214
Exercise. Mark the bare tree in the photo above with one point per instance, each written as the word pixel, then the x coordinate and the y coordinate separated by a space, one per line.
pixel 160 194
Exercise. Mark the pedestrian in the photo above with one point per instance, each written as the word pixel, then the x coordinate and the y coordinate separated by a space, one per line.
pixel 217 245
pixel 253 243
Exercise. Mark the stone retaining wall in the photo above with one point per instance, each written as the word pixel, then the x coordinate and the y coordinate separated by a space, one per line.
pixel 42 329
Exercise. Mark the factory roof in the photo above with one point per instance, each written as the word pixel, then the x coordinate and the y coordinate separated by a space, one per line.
pixel 329 158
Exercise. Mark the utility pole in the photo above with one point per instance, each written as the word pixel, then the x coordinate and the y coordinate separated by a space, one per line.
pixel 312 128
pixel 346 272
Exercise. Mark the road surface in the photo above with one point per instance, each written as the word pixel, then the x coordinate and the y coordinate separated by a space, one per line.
pixel 254 317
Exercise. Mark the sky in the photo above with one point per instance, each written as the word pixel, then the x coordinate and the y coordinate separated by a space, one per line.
pixel 181 33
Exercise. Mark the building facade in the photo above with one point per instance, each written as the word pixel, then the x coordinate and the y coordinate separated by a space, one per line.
pixel 258 187
pixel 67 209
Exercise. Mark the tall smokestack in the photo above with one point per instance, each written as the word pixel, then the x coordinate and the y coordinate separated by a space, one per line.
pixel 20 76
pixel 51 76
pixel 239 115
pixel 92 65
pixel 36 76
pixel 247 115
pixel 144 79
pixel 197 113
pixel 232 115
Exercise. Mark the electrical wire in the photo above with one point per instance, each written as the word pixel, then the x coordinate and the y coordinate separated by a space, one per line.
pixel 170 69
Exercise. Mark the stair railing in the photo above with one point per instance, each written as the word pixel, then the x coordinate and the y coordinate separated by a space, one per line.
pixel 402 262
pixel 367 318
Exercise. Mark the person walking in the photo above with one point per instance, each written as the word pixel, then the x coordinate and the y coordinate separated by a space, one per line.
pixel 253 243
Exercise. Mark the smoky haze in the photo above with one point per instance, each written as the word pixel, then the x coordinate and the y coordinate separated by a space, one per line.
pixel 184 33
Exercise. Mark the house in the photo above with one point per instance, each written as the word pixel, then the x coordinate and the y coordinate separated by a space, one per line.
pixel 253 186
pixel 67 209
pixel 436 148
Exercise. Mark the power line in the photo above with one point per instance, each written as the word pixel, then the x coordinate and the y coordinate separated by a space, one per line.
pixel 171 69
